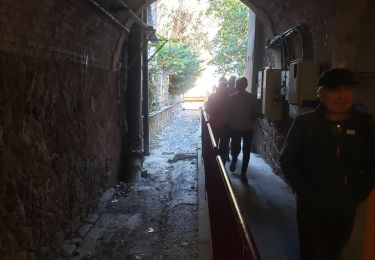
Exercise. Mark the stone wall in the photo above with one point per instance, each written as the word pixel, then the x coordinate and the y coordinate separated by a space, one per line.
pixel 160 119
pixel 277 16
pixel 268 141
pixel 61 145
pixel 60 135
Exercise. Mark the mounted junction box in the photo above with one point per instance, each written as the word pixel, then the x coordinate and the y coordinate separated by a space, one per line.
pixel 303 81
pixel 271 101
pixel 285 83
pixel 260 84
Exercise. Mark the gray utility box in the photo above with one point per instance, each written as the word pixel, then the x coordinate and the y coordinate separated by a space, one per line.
pixel 260 84
pixel 271 100
pixel 303 82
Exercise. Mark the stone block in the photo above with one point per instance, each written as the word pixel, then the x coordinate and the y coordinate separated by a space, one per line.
pixel 92 218
pixel 69 249
pixel 84 230
pixel 106 196
pixel 77 241
pixel 2 143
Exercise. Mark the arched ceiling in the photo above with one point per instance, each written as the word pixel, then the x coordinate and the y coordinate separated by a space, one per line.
pixel 120 5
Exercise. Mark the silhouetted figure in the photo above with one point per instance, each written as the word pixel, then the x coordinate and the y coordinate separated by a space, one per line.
pixel 216 108
pixel 328 158
pixel 223 80
pixel 231 88
pixel 241 119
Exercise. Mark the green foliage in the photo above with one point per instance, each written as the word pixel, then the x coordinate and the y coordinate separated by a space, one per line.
pixel 185 22
pixel 182 24
pixel 181 63
pixel 230 44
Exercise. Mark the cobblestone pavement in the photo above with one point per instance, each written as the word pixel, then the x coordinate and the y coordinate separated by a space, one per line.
pixel 155 218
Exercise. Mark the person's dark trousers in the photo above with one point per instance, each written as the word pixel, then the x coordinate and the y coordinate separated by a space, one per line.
pixel 235 146
pixel 224 144
pixel 222 141
pixel 320 237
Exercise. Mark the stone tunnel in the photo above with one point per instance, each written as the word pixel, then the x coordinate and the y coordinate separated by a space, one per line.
pixel 73 99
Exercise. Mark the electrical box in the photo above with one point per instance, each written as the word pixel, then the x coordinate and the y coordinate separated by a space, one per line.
pixel 285 83
pixel 271 101
pixel 303 78
pixel 260 84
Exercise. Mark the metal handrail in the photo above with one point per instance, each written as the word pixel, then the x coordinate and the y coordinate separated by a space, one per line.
pixel 212 137
pixel 205 115
pixel 244 230
pixel 245 234
pixel 210 131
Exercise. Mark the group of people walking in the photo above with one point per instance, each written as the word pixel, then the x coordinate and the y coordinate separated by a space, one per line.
pixel 232 112
pixel 328 156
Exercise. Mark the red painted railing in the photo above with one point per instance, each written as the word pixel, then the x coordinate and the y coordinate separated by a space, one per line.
pixel 231 237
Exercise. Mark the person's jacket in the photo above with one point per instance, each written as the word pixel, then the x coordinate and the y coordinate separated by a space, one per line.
pixel 330 165
pixel 216 109
pixel 242 111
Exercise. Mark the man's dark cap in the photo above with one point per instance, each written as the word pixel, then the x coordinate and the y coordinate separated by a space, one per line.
pixel 336 77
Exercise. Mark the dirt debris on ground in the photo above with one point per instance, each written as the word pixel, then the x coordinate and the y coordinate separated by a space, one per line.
pixel 155 218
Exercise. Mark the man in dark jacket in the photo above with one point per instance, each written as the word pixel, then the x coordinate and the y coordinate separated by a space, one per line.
pixel 328 159
pixel 216 108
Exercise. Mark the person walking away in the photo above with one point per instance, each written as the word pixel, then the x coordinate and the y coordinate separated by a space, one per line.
pixel 216 109
pixel 223 80
pixel 242 121
pixel 231 88
pixel 328 158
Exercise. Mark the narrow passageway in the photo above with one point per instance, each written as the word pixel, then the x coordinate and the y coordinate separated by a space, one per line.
pixel 157 217
pixel 269 206
pixel 81 83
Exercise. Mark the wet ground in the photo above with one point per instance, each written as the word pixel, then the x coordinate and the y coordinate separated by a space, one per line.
pixel 269 206
pixel 155 218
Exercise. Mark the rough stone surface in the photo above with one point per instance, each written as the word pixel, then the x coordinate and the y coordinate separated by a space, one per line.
pixel 58 30
pixel 60 123
pixel 92 218
pixel 104 199
pixel 183 156
pixel 77 241
pixel 157 217
pixel 160 119
pixel 59 120
pixel 69 250
pixel 84 230
pixel 58 139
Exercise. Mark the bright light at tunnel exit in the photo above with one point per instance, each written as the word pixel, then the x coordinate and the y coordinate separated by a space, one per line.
pixel 204 85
